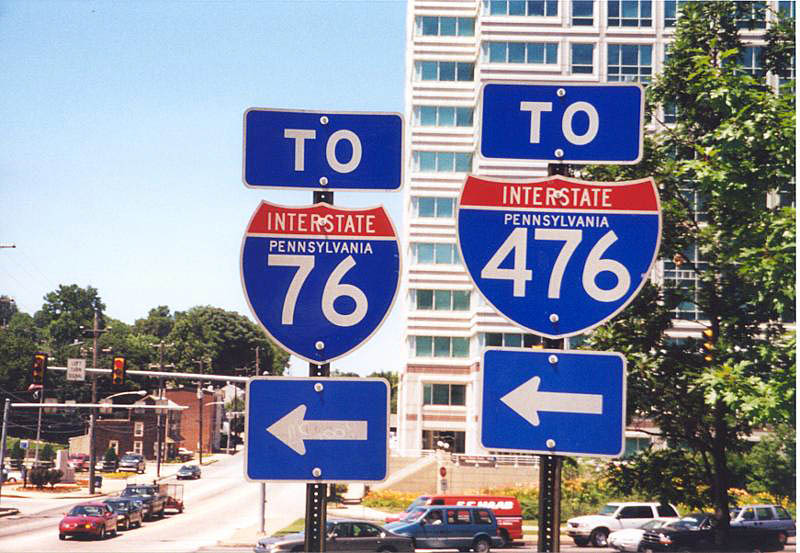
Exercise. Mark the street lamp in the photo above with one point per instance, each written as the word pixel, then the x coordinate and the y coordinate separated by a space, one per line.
pixel 200 408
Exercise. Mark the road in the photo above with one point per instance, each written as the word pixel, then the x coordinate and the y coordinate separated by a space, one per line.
pixel 216 506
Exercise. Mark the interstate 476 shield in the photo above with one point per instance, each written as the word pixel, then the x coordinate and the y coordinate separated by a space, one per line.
pixel 558 255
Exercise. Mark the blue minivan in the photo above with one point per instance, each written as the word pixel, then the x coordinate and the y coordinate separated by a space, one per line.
pixel 449 527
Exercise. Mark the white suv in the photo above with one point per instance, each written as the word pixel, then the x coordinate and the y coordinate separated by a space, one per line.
pixel 615 516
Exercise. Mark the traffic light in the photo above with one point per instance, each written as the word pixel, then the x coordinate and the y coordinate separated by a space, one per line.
pixel 118 371
pixel 708 345
pixel 39 369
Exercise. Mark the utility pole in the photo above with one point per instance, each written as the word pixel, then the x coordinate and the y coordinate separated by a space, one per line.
pixel 160 425
pixel 200 406
pixel 6 414
pixel 92 415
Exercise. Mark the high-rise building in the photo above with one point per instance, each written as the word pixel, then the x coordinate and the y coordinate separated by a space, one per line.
pixel 453 47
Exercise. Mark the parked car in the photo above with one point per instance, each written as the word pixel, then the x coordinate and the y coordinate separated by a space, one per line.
pixel 448 527
pixel 185 455
pixel 78 461
pixel 507 511
pixel 342 535
pixel 695 532
pixel 628 539
pixel 88 519
pixel 129 511
pixel 615 516
pixel 132 461
pixel 152 498
pixel 6 476
pixel 189 471
pixel 765 516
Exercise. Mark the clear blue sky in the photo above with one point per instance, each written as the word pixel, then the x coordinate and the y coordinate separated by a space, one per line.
pixel 121 140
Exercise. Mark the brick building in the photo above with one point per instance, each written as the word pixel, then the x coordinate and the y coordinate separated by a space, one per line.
pixel 190 418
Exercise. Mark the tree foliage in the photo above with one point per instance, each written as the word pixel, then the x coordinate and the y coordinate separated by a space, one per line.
pixel 721 169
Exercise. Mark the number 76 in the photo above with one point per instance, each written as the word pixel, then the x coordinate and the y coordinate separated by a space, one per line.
pixel 517 242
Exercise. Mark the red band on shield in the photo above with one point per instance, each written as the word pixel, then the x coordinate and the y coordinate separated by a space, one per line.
pixel 560 193
pixel 320 220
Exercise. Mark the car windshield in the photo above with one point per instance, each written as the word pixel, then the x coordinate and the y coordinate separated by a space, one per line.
pixel 117 505
pixel 413 515
pixel 609 509
pixel 86 510
pixel 652 524
pixel 687 523
pixel 418 502
pixel 187 468
pixel 137 491
pixel 133 458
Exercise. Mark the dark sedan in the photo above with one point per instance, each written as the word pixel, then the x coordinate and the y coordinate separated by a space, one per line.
pixel 129 511
pixel 189 471
pixel 342 535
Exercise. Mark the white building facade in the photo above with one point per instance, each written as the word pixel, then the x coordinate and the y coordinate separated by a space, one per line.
pixel 453 47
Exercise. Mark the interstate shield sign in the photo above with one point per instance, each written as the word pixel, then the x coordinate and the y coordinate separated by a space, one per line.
pixel 557 255
pixel 320 279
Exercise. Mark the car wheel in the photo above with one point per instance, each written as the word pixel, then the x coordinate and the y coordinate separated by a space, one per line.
pixel 599 537
pixel 62 536
pixel 481 545
pixel 581 542
pixel 505 537
pixel 782 538
pixel 114 532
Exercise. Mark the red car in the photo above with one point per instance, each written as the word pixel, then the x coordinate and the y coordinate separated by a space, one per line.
pixel 79 461
pixel 88 519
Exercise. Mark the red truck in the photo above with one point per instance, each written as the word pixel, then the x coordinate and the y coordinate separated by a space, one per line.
pixel 506 509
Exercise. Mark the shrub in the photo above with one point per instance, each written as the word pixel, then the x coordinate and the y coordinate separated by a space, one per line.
pixel 110 456
pixel 54 476
pixel 387 499
pixel 38 476
pixel 47 453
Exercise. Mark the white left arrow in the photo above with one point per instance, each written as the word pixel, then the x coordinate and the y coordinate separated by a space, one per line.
pixel 526 400
pixel 292 429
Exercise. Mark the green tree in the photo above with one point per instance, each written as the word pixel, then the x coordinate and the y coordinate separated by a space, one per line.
pixel 19 340
pixel 720 169
pixel 224 340
pixel 66 312
pixel 159 322
pixel 7 309
pixel 393 380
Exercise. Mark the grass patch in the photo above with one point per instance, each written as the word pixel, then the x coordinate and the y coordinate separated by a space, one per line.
pixel 298 525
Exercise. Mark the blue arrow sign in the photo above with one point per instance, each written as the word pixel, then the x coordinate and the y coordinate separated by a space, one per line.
pixel 323 150
pixel 591 123
pixel 557 255
pixel 316 429
pixel 320 279
pixel 554 402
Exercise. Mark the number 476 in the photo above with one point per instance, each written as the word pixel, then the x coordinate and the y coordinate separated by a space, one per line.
pixel 517 242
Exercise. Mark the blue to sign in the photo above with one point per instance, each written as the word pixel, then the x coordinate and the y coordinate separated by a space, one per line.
pixel 597 123
pixel 323 150
pixel 316 429
pixel 320 279
pixel 554 402
pixel 557 255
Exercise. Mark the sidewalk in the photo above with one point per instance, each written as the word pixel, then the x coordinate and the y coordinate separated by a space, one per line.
pixel 110 485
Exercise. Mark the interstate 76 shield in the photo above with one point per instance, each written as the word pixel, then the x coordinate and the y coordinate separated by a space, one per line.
pixel 320 279
pixel 557 255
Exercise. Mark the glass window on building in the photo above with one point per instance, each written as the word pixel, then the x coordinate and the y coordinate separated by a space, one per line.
pixel 581 58
pixel 630 62
pixel 426 206
pixel 442 162
pixel 635 445
pixel 521 52
pixel 444 26
pixel 630 13
pixel 442 116
pixel 455 440
pixel 751 15
pixel 680 275
pixel 440 346
pixel 786 8
pixel 509 340
pixel 444 394
pixel 444 71
pixel 751 60
pixel 582 13
pixel 533 8
pixel 672 11
pixel 440 254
